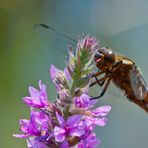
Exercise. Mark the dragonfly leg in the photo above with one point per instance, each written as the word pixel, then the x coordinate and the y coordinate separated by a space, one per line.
pixel 106 79
pixel 104 89
pixel 100 81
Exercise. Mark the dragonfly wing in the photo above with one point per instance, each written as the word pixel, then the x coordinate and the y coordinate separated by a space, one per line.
pixel 59 41
pixel 138 84
pixel 53 38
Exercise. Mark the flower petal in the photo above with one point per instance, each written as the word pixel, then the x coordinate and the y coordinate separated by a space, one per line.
pixel 82 101
pixel 100 121
pixel 33 91
pixel 38 98
pixel 60 120
pixel 21 135
pixel 77 131
pixel 102 111
pixel 59 134
pixel 75 119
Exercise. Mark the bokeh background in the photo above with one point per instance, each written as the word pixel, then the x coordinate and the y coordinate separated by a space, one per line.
pixel 27 51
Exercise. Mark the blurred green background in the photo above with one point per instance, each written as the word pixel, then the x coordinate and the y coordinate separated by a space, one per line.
pixel 26 55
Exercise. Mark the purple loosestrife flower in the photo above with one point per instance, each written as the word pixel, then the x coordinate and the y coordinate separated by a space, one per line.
pixel 70 121
pixel 36 126
pixel 82 101
pixel 67 128
pixel 98 116
pixel 38 98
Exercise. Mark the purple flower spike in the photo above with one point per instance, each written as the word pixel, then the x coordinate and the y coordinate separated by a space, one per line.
pixel 38 98
pixel 71 119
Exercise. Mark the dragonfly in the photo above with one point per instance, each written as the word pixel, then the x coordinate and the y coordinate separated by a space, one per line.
pixel 124 73
pixel 112 66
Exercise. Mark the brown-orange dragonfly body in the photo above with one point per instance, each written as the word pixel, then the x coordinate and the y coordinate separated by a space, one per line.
pixel 116 68
pixel 124 73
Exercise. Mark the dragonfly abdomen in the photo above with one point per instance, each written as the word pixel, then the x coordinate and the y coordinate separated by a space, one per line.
pixel 122 79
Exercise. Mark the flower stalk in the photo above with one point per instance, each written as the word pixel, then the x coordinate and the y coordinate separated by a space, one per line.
pixel 70 121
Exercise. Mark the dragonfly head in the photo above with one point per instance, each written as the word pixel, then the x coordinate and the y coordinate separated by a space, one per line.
pixel 104 58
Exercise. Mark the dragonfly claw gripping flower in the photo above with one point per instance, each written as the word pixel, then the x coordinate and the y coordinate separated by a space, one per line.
pixel 70 121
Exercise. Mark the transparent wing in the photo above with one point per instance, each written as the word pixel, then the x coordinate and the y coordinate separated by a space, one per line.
pixel 54 38
pixel 138 84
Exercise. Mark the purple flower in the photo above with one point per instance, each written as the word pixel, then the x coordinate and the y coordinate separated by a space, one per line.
pixel 36 126
pixel 98 116
pixel 67 128
pixel 38 98
pixel 82 101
